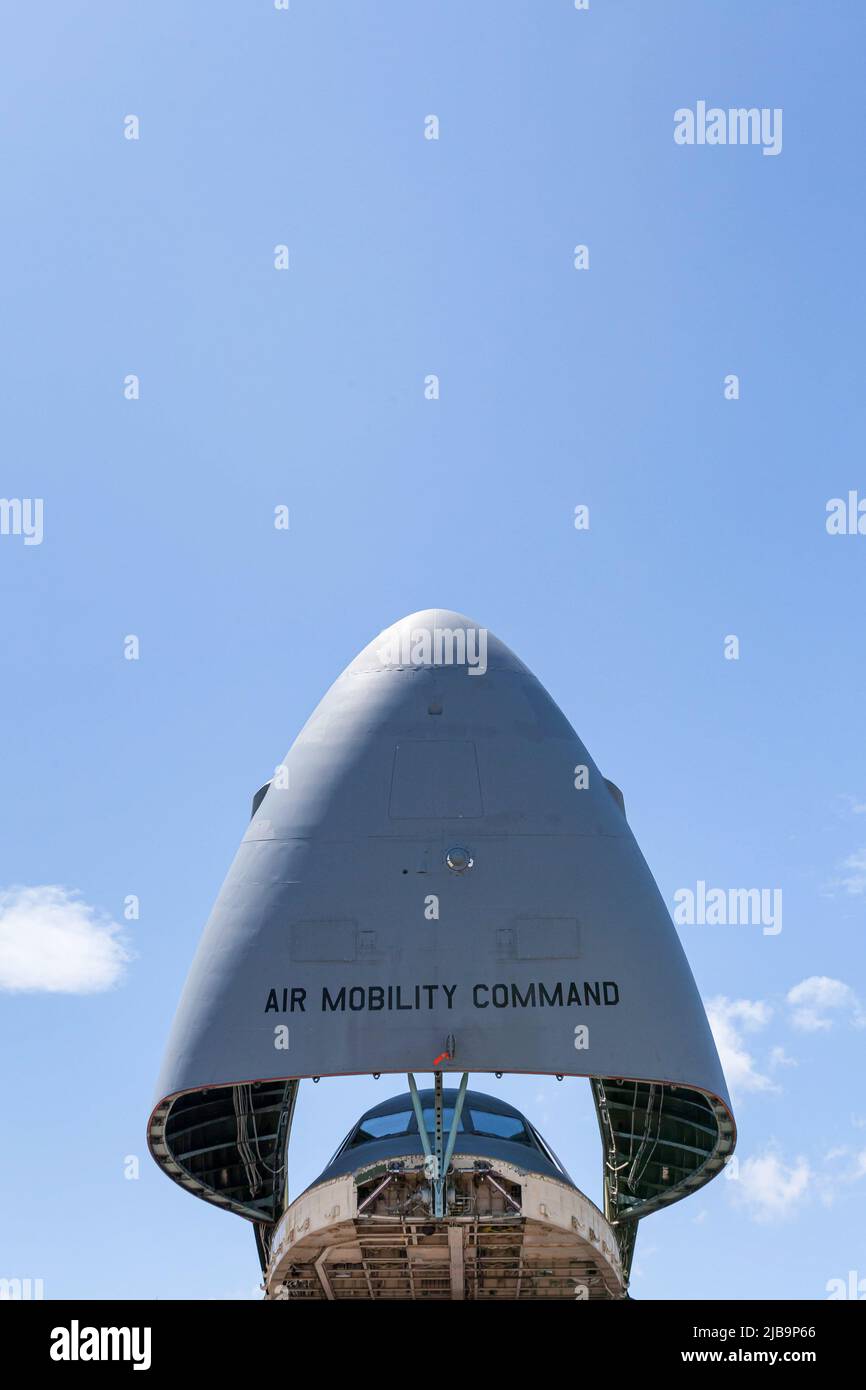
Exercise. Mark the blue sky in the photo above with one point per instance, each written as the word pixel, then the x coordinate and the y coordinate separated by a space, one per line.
pixel 305 387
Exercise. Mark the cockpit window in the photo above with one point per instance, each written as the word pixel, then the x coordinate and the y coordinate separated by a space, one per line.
pixel 489 1124
pixel 497 1126
pixel 381 1127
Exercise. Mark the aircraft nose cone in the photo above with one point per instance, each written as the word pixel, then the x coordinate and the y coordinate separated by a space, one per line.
pixel 438 867
pixel 434 723
pixel 437 637
pixel 436 815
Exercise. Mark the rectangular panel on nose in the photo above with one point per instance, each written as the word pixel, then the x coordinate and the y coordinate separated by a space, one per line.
pixel 435 779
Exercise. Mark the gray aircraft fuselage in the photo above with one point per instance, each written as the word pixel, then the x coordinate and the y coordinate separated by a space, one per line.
pixel 439 875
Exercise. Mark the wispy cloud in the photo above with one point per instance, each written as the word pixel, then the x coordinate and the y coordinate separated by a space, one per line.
pixel 729 1020
pixel 834 1184
pixel 770 1189
pixel 780 1058
pixel 854 881
pixel 819 1001
pixel 52 942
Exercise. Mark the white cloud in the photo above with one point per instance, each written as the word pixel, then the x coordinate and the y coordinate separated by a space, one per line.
pixel 856 807
pixel 854 882
pixel 52 942
pixel 770 1189
pixel 816 1003
pixel 835 1182
pixel 780 1058
pixel 729 1019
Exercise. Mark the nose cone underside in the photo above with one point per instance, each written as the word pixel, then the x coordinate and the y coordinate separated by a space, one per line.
pixel 439 867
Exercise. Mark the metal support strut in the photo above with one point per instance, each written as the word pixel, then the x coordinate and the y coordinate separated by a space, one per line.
pixel 439 1176
pixel 437 1158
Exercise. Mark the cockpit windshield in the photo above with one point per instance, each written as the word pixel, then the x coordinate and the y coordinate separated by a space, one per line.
pixel 479 1117
pixel 380 1127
